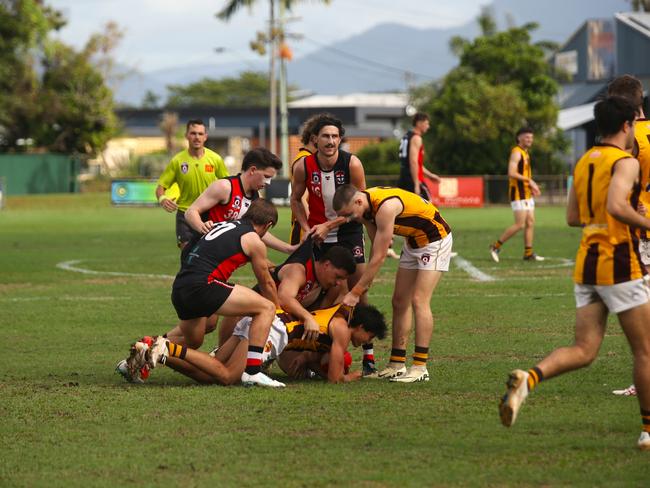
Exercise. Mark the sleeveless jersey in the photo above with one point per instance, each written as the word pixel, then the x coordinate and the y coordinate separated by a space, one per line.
pixel 303 255
pixel 295 234
pixel 405 177
pixel 420 221
pixel 216 255
pixel 237 204
pixel 302 153
pixel 321 186
pixel 642 137
pixel 608 252
pixel 520 190
pixel 296 328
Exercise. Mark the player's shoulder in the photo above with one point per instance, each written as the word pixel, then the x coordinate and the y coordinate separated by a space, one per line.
pixel 179 157
pixel 210 154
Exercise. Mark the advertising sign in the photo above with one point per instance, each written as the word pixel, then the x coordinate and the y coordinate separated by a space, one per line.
pixel 459 191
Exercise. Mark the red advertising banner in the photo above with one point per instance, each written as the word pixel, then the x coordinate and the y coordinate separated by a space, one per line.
pixel 457 191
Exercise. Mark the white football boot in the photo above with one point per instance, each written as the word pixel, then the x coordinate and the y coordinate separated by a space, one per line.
pixel 644 441
pixel 260 379
pixel 157 352
pixel 413 375
pixel 393 370
pixel 514 398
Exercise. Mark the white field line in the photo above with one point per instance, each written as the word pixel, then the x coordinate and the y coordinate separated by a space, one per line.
pixel 472 270
pixel 485 295
pixel 71 266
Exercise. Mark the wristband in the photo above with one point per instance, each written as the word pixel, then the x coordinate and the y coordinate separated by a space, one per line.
pixel 357 290
pixel 162 197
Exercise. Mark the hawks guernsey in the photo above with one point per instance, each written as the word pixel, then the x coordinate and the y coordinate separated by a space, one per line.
pixel 608 252
pixel 518 189
pixel 405 177
pixel 419 221
pixel 642 137
pixel 295 234
pixel 216 255
pixel 192 175
pixel 296 329
pixel 321 185
pixel 237 204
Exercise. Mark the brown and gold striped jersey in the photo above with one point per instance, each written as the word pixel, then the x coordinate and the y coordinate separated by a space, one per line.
pixel 608 252
pixel 518 189
pixel 642 137
pixel 420 220
pixel 323 317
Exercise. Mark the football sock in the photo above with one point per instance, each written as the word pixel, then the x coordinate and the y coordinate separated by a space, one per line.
pixel 398 356
pixel 497 244
pixel 176 351
pixel 535 376
pixel 420 356
pixel 368 355
pixel 528 252
pixel 254 359
pixel 645 420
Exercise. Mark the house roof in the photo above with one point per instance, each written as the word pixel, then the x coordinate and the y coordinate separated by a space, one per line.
pixel 639 21
pixel 392 100
pixel 572 117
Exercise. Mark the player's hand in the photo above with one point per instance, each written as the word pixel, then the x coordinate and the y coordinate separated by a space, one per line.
pixel 319 232
pixel 416 188
pixel 169 204
pixel 271 265
pixel 206 226
pixel 352 376
pixel 641 209
pixel 311 330
pixel 534 188
pixel 350 299
pixel 296 369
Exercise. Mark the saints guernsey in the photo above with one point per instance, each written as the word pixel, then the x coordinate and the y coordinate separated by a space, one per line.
pixel 405 177
pixel 520 190
pixel 420 220
pixel 608 252
pixel 192 175
pixel 237 204
pixel 296 329
pixel 304 255
pixel 642 150
pixel 321 186
pixel 215 256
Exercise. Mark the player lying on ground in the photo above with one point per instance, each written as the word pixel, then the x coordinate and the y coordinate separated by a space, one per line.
pixel 338 328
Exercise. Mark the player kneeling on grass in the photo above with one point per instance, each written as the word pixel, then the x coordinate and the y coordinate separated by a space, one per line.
pixel 201 289
pixel 338 328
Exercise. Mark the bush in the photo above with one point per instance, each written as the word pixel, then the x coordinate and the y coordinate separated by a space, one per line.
pixel 381 158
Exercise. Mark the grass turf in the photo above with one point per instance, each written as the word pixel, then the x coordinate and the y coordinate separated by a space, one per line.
pixel 69 420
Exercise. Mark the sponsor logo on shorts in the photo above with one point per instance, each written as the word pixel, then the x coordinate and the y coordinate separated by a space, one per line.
pixel 357 251
pixel 185 167
pixel 339 177
pixel 426 258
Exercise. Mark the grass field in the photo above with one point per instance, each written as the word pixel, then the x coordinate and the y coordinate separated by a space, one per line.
pixel 69 420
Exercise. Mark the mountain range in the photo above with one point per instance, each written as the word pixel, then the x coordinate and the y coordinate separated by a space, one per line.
pixel 387 57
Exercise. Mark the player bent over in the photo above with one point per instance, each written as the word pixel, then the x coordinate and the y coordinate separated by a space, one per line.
pixel 609 275
pixel 201 289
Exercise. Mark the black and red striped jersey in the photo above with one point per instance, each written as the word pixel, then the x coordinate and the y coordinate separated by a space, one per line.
pixel 321 185
pixel 216 255
pixel 237 204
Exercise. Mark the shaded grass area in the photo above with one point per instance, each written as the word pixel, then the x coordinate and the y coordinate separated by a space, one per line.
pixel 68 420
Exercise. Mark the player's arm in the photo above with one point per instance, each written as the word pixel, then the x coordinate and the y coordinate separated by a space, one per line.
pixel 357 174
pixel 414 152
pixel 255 249
pixel 298 189
pixel 292 277
pixel 626 172
pixel 166 180
pixel 278 244
pixel 340 334
pixel 216 193
pixel 385 221
pixel 513 172
pixel 572 209
pixel 431 175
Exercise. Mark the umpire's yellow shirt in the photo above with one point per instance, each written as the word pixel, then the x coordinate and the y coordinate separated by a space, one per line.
pixel 192 175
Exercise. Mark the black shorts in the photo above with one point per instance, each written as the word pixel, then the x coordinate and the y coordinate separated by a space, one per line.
pixel 200 299
pixel 184 233
pixel 353 242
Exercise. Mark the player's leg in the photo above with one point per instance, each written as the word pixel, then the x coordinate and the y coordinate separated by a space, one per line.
pixel 529 229
pixel 227 326
pixel 520 222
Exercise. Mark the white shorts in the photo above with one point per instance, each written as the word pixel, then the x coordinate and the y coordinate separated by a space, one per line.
pixel 275 342
pixel 433 257
pixel 519 205
pixel 644 251
pixel 617 298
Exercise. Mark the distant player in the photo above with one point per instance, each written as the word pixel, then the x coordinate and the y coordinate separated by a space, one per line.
pixel 411 159
pixel 609 275
pixel 522 189
pixel 193 169
pixel 392 211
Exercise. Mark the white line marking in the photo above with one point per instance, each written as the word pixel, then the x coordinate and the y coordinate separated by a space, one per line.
pixel 472 270
pixel 70 266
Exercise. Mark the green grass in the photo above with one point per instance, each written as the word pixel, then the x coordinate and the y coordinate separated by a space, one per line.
pixel 69 420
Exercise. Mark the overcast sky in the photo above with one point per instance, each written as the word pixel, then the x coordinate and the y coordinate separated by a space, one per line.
pixel 165 33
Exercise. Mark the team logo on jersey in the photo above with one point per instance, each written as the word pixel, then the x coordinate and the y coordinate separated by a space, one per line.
pixel 209 168
pixel 236 203
pixel 268 346
pixel 185 167
pixel 426 258
pixel 315 178
pixel 357 251
pixel 339 177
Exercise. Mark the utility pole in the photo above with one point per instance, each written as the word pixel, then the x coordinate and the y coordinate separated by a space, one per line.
pixel 284 113
pixel 273 130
